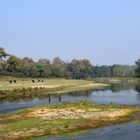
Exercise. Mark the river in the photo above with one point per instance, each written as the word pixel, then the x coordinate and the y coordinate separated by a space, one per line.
pixel 116 94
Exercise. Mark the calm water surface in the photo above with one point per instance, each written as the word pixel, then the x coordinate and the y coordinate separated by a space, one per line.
pixel 128 131
pixel 117 93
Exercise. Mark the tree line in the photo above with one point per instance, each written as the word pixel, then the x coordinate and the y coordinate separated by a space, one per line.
pixel 11 65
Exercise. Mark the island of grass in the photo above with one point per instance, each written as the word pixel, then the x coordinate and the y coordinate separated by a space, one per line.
pixel 25 88
pixel 61 118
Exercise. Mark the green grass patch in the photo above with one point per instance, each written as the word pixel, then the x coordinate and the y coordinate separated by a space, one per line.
pixel 24 124
pixel 25 89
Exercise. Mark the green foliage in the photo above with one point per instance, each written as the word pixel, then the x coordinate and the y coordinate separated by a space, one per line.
pixel 102 71
pixel 14 64
pixel 75 69
pixel 3 54
pixel 58 67
pixel 123 71
pixel 80 69
pixel 26 66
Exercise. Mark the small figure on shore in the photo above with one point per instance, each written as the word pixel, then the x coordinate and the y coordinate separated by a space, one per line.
pixel 38 81
pixel 49 98
pixel 14 81
pixel 59 96
pixel 33 81
pixel 42 81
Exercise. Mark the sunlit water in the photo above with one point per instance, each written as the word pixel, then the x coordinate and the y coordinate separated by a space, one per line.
pixel 117 93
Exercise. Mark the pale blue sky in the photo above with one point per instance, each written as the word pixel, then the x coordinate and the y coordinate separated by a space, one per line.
pixel 103 31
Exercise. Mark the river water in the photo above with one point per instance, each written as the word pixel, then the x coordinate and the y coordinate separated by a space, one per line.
pixel 117 94
pixel 127 131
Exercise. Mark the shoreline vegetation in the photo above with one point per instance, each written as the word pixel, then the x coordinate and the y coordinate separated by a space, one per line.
pixel 110 80
pixel 25 88
pixel 62 118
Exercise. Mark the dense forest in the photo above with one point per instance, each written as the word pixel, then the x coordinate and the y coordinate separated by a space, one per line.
pixel 11 65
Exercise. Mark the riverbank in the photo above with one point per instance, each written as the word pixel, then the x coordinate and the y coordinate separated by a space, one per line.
pixel 25 88
pixel 62 118
pixel 129 80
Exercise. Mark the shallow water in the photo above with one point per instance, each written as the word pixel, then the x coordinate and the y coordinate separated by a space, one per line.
pixel 128 131
pixel 117 93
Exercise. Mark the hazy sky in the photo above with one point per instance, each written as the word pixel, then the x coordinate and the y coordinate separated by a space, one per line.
pixel 103 31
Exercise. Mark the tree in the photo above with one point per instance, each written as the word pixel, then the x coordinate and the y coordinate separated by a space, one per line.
pixel 102 71
pixel 14 64
pixel 41 68
pixel 80 69
pixel 44 61
pixel 123 71
pixel 3 54
pixel 26 66
pixel 47 67
pixel 38 70
pixel 58 67
pixel 3 64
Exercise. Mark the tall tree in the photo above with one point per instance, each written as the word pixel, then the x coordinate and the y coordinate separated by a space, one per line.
pixel 26 66
pixel 14 64
pixel 102 71
pixel 58 67
pixel 80 68
pixel 46 65
pixel 3 54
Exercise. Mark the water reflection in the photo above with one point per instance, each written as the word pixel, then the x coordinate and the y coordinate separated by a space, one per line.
pixel 137 87
pixel 117 87
pixel 80 93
